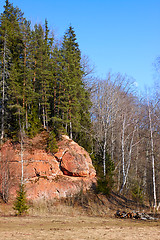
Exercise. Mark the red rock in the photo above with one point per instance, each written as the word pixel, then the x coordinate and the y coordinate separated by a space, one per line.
pixel 75 160
pixel 60 154
pixel 66 173
pixel 74 164
pixel 60 187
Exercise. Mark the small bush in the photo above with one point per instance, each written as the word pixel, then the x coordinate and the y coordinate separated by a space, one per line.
pixel 52 143
pixel 137 193
pixel 103 186
pixel 20 205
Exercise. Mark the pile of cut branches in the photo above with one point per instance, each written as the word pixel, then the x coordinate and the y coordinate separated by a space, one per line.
pixel 134 215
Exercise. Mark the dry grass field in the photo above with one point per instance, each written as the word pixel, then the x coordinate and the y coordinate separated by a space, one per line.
pixel 63 227
pixel 88 217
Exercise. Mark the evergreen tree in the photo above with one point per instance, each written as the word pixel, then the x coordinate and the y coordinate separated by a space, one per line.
pixel 41 82
pixel 20 205
pixel 4 56
pixel 12 42
pixel 27 91
pixel 5 63
pixel 74 98
pixel 43 71
pixel 56 89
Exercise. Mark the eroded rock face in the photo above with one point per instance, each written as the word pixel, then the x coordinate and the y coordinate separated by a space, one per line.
pixel 48 176
pixel 75 161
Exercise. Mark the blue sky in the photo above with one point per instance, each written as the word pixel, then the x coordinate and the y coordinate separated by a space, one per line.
pixel 117 35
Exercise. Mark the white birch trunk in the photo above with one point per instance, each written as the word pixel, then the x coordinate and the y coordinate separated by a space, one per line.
pixel 3 89
pixel 70 124
pixel 104 154
pixel 21 136
pixel 123 155
pixel 152 155
pixel 125 172
pixel 22 177
pixel 44 120
pixel 112 145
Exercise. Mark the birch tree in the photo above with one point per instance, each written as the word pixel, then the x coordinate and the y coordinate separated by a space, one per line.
pixel 105 110
pixel 152 154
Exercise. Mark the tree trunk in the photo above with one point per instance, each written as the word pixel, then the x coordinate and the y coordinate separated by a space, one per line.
pixel 5 179
pixel 22 177
pixel 125 172
pixel 152 155
pixel 44 122
pixel 21 139
pixel 70 124
pixel 104 153
pixel 3 89
pixel 123 157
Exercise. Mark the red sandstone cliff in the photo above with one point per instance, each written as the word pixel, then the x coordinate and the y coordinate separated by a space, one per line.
pixel 46 175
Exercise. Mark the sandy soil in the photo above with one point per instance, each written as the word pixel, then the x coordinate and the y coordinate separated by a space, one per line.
pixel 61 227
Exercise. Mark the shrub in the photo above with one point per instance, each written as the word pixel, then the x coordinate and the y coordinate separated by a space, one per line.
pixel 137 193
pixel 52 143
pixel 104 186
pixel 104 183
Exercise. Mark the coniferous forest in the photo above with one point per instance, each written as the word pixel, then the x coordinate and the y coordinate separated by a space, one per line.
pixel 48 85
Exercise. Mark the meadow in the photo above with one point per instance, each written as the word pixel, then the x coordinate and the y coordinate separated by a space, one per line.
pixel 77 227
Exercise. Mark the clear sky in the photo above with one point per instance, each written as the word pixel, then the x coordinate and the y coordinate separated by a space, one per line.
pixel 117 35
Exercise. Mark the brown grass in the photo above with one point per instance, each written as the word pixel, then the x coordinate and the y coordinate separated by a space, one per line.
pixel 80 218
pixel 65 227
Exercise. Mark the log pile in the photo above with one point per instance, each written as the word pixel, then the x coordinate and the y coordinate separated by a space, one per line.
pixel 134 215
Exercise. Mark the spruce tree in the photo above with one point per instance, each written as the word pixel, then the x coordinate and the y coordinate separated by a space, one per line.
pixel 75 98
pixel 72 75
pixel 27 88
pixel 4 56
pixel 56 89
pixel 41 84
pixel 12 41
pixel 20 205
pixel 43 71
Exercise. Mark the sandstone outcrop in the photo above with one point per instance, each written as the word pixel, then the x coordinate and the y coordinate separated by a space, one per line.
pixel 75 161
pixel 46 175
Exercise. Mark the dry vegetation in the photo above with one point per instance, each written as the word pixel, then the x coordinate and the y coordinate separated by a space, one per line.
pixel 78 227
pixel 82 217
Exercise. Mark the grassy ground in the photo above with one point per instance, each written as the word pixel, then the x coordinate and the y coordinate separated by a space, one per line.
pixel 80 218
pixel 63 227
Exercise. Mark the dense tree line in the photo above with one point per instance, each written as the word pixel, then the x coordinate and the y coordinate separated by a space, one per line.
pixel 41 81
pixel 45 84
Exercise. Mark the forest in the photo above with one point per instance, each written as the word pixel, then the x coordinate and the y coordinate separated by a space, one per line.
pixel 47 84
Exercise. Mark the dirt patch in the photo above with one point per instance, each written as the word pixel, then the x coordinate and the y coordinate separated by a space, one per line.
pixel 63 227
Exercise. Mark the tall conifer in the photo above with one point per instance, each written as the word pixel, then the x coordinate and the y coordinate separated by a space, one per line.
pixel 11 40
pixel 76 97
